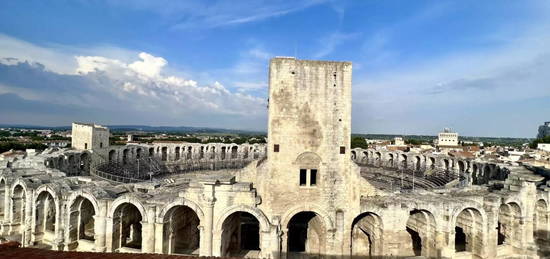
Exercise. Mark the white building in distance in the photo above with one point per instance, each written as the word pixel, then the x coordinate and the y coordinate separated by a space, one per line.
pixel 447 138
pixel 543 147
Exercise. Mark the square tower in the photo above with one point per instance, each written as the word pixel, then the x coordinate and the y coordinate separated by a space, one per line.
pixel 309 128
pixel 86 136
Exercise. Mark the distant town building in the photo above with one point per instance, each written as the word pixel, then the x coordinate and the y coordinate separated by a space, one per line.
pixel 398 141
pixel 544 130
pixel 543 147
pixel 447 138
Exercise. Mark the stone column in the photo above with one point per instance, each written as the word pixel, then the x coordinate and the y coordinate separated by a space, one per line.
pixel 208 227
pixel 208 201
pixel 159 238
pixel 284 244
pixel 6 201
pixel 442 243
pixel 99 233
pixel 147 237
pixel 109 234
pixel 59 231
pixel 490 248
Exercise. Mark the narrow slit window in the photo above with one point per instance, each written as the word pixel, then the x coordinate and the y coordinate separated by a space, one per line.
pixel 276 148
pixel 313 177
pixel 342 150
pixel 85 145
pixel 303 177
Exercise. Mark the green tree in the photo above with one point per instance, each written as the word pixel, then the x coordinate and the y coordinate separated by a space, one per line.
pixel 358 142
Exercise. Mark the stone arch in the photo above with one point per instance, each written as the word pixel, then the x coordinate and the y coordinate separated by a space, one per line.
pixel 391 160
pixel 308 159
pixel 367 237
pixel 85 195
pixel 112 156
pixel 446 164
pixel 378 159
pixel 181 202
pixel 432 163
pixel 421 226
pixel 308 207
pixel 461 166
pixel 139 153
pixel 177 153
pixel 128 199
pixel 469 234
pixel 189 152
pixel 404 162
pixel 125 156
pixel 417 163
pixel 127 226
pixel 306 233
pixel 81 218
pixel 475 173
pixel 264 222
pixel 18 202
pixel 353 155
pixel 46 206
pixel 181 234
pixel 508 227
pixel 365 157
pixel 240 234
pixel 164 153
pixel 84 162
pixel 234 152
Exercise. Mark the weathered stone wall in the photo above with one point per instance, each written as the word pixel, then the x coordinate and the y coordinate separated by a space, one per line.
pixel 89 136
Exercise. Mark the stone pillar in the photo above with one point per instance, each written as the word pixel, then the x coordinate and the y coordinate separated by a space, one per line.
pixel 444 249
pixel 99 233
pixel 27 225
pixel 6 201
pixel 284 244
pixel 59 231
pixel 492 209
pixel 147 237
pixel 208 201
pixel 208 227
pixel 109 234
pixel 159 238
pixel 33 219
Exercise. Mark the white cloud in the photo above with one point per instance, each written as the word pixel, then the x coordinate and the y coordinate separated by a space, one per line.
pixel 193 14
pixel 331 41
pixel 149 66
pixel 140 86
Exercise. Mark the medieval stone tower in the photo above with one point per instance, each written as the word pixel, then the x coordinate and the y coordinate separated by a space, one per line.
pixel 89 136
pixel 308 139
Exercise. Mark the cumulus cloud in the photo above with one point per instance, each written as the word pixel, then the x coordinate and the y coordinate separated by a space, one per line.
pixel 149 65
pixel 116 88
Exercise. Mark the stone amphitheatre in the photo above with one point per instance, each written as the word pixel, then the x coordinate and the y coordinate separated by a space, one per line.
pixel 306 193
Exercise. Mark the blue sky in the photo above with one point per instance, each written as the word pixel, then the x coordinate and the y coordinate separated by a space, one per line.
pixel 479 67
